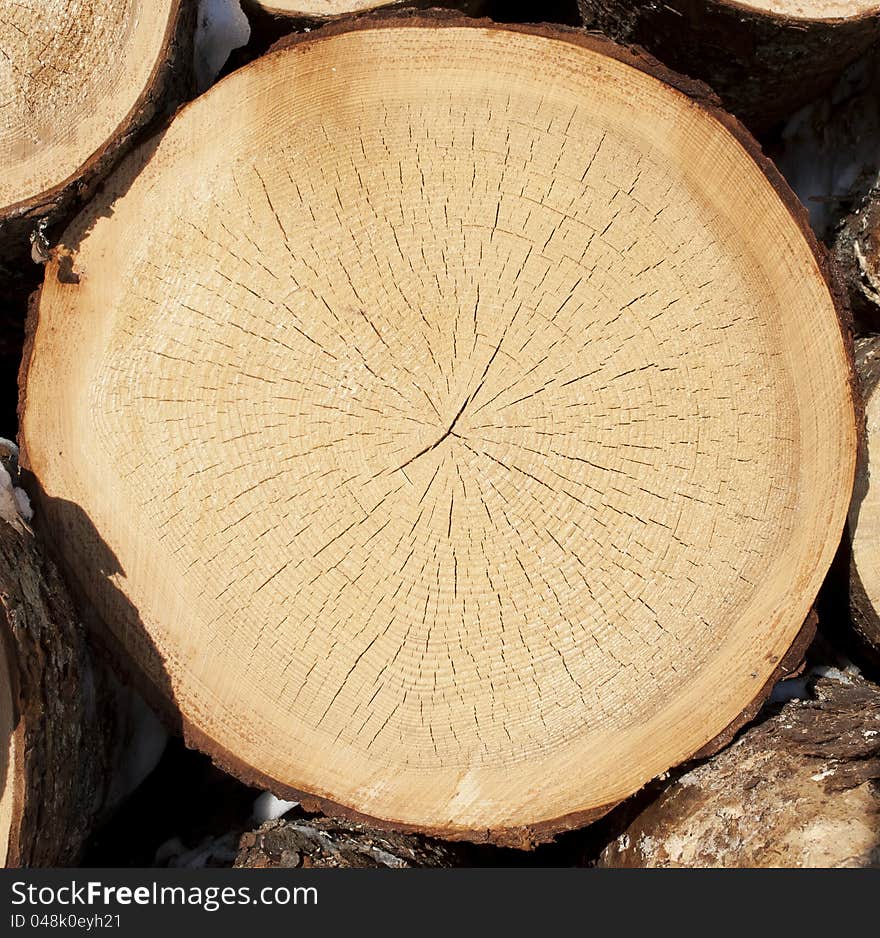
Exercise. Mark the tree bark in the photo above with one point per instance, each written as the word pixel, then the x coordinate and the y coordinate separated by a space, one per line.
pixel 324 843
pixel 76 741
pixel 58 771
pixel 798 790
pixel 440 401
pixel 57 150
pixel 857 250
pixel 763 65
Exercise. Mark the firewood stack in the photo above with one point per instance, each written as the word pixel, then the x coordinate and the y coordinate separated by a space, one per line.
pixel 446 425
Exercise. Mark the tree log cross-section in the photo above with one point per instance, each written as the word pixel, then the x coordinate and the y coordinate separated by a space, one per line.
pixel 765 58
pixel 322 10
pixel 78 78
pixel 456 433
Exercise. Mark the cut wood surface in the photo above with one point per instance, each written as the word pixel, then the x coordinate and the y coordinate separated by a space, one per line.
pixel 397 421
pixel 77 79
pixel 863 526
pixel 324 843
pixel 799 790
pixel 765 58
pixel 53 750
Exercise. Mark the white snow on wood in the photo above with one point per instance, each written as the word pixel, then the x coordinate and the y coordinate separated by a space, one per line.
pixel 14 502
pixel 221 27
pixel 269 808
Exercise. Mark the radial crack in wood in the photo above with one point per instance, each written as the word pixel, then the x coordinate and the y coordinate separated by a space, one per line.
pixel 765 58
pixel 78 78
pixel 602 563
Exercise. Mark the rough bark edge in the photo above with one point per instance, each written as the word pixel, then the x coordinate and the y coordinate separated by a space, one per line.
pixel 61 752
pixel 856 246
pixel 171 81
pixel 766 39
pixel 524 837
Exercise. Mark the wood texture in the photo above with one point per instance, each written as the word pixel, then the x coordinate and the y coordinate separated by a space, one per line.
pixel 798 790
pixel 467 361
pixel 78 80
pixel 765 59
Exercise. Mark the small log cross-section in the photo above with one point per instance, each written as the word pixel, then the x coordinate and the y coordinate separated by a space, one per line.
pixel 325 10
pixel 798 790
pixel 78 78
pixel 765 58
pixel 461 436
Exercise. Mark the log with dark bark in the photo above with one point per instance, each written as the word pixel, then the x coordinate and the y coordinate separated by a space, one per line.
pixel 55 758
pixel 325 843
pixel 863 523
pixel 78 80
pixel 396 423
pixel 798 790
pixel 857 250
pixel 765 58
pixel 321 11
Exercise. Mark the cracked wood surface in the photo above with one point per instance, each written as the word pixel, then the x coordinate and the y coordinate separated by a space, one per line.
pixel 439 439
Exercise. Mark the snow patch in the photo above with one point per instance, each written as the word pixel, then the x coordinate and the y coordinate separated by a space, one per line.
pixel 833 674
pixel 221 28
pixel 269 808
pixel 14 502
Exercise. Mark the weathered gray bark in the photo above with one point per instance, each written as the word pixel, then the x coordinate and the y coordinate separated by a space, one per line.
pixel 60 772
pixel 857 250
pixel 764 66
pixel 798 790
pixel 76 741
pixel 327 843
